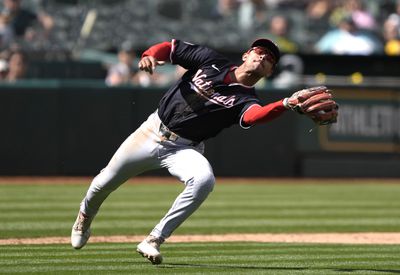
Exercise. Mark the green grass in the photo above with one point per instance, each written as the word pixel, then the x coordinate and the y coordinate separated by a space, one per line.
pixel 203 258
pixel 50 210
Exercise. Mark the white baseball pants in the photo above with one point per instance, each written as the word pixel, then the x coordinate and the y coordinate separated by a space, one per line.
pixel 147 149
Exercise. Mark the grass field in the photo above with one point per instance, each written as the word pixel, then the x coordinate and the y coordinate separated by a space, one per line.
pixel 204 258
pixel 43 210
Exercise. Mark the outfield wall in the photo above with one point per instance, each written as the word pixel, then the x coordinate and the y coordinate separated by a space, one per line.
pixel 65 128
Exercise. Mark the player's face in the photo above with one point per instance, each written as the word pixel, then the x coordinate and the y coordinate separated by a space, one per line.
pixel 259 61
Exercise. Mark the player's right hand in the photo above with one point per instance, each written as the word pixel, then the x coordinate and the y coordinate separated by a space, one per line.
pixel 149 63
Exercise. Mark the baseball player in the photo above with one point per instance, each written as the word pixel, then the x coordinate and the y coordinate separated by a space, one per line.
pixel 212 95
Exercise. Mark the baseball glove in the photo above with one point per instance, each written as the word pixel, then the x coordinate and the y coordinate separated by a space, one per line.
pixel 316 102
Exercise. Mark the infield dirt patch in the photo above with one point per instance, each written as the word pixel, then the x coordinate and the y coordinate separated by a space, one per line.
pixel 338 238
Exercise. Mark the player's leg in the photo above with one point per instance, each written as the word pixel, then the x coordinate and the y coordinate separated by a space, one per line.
pixel 194 170
pixel 138 153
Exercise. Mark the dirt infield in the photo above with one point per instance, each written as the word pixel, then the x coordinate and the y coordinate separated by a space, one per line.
pixel 333 238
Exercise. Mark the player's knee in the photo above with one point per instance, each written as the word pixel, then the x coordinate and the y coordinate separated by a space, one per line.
pixel 106 181
pixel 202 186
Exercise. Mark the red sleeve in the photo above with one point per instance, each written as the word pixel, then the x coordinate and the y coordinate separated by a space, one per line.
pixel 257 114
pixel 160 51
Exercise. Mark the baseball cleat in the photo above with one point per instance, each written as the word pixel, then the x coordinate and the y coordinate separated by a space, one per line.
pixel 80 231
pixel 150 249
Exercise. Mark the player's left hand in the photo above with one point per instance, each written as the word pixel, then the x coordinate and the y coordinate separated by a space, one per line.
pixel 315 102
pixel 149 63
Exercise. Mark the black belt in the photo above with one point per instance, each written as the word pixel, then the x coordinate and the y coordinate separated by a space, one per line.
pixel 168 134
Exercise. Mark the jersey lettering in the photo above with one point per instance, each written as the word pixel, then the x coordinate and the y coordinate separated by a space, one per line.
pixel 204 88
pixel 227 101
pixel 200 82
pixel 201 104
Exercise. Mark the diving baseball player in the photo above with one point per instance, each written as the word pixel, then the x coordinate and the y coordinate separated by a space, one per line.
pixel 212 95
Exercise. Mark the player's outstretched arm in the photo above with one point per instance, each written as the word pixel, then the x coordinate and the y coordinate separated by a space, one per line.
pixel 257 114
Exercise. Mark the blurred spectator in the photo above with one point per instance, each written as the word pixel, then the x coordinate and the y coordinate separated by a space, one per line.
pixel 304 21
pixel 17 66
pixel 355 9
pixel 395 16
pixel 6 31
pixel 252 13
pixel 384 8
pixel 290 69
pixel 347 39
pixel 225 9
pixel 23 20
pixel 122 72
pixel 319 10
pixel 391 35
pixel 279 31
pixel 158 79
pixel 317 18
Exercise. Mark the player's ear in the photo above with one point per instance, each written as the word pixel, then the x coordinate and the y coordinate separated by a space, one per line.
pixel 245 55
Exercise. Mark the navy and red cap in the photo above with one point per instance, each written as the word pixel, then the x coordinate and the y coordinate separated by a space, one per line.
pixel 269 45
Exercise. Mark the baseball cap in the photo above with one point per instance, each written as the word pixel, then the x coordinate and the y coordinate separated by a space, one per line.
pixel 270 45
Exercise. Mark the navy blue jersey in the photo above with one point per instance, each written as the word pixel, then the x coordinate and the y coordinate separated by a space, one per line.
pixel 200 104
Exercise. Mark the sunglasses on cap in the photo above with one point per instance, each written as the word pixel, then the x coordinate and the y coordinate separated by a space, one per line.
pixel 264 51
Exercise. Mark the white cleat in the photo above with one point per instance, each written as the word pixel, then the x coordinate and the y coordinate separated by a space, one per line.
pixel 150 249
pixel 80 231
